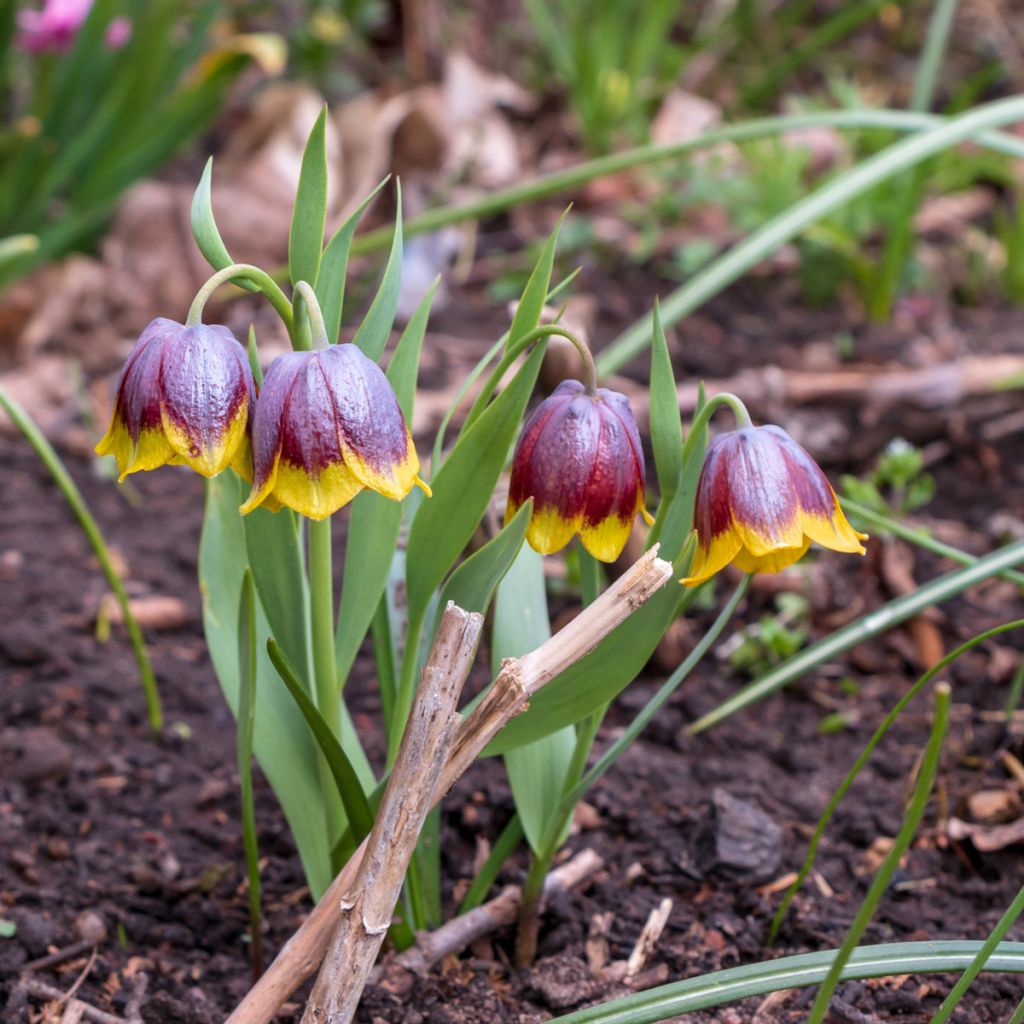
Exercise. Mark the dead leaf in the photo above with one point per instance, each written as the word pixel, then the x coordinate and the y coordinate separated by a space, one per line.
pixel 987 838
pixel 155 611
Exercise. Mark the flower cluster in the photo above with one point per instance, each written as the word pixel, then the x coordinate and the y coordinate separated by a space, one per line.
pixel 326 424
pixel 53 29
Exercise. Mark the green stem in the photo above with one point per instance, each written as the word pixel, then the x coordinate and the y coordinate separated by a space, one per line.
pixel 328 698
pixel 1013 911
pixel 920 538
pixel 266 284
pixel 590 170
pixel 305 294
pixel 703 417
pixel 907 831
pixel 513 353
pixel 73 496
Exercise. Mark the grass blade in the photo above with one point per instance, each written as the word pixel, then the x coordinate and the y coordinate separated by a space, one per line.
pixel 73 496
pixel 721 987
pixel 867 626
pixel 900 845
pixel 306 236
pixel 373 333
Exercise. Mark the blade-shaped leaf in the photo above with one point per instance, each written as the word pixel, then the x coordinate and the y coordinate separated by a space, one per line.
pixel 205 230
pixel 375 521
pixel 473 583
pixel 373 333
pixel 536 771
pixel 330 283
pixel 463 487
pixel 306 237
pixel 666 427
pixel 282 743
pixel 350 787
pixel 531 303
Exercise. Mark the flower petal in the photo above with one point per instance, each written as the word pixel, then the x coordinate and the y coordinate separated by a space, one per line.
pixel 316 497
pixel 372 435
pixel 772 561
pixel 714 558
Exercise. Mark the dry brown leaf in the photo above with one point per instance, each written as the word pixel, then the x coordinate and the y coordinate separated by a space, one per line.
pixel 987 838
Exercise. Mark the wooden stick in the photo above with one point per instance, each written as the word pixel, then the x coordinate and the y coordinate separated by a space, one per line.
pixel 367 909
pixel 455 935
pixel 507 697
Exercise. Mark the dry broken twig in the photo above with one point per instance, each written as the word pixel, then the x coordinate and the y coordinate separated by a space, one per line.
pixel 366 910
pixel 508 696
pixel 432 947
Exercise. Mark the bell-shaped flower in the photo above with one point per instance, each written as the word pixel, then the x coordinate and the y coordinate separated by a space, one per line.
pixel 761 500
pixel 328 424
pixel 579 457
pixel 184 397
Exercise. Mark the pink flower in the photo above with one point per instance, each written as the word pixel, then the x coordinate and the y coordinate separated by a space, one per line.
pixel 53 29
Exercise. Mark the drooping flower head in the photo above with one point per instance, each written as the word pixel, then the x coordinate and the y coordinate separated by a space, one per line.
pixel 184 396
pixel 327 425
pixel 53 29
pixel 761 500
pixel 579 458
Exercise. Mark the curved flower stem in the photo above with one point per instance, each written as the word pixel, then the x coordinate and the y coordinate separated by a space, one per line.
pixel 318 328
pixel 328 696
pixel 701 420
pixel 523 343
pixel 266 284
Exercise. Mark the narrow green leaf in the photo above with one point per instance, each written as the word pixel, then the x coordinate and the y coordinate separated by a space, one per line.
pixel 537 771
pixel 666 426
pixel 330 283
pixel 710 990
pixel 345 777
pixel 901 843
pixel 864 628
pixel 244 734
pixel 273 545
pixel 205 230
pixel 284 748
pixel 373 333
pixel 463 487
pixel 473 583
pixel 306 237
pixel 76 502
pixel 531 303
pixel 253 354
pixel 375 521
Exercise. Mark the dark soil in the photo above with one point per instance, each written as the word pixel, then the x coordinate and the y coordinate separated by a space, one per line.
pixel 96 815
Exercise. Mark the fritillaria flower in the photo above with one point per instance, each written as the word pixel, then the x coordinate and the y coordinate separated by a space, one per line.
pixel 761 500
pixel 579 459
pixel 53 29
pixel 184 396
pixel 327 425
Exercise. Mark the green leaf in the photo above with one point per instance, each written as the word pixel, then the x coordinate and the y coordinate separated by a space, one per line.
pixel 890 959
pixel 350 787
pixel 373 333
pixel 204 227
pixel 473 583
pixel 282 742
pixel 273 544
pixel 666 427
pixel 375 521
pixel 537 771
pixel 463 487
pixel 330 283
pixel 243 747
pixel 531 303
pixel 306 238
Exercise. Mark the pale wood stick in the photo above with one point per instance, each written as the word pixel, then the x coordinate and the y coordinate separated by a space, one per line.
pixel 367 909
pixel 507 697
pixel 455 935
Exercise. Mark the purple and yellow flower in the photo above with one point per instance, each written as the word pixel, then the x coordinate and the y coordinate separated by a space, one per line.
pixel 761 500
pixel 53 29
pixel 184 397
pixel 327 425
pixel 579 458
